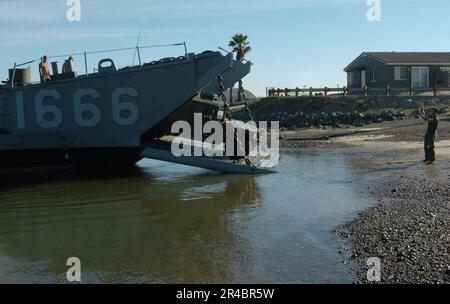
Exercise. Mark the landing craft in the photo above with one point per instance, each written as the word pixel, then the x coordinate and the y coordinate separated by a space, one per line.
pixel 114 116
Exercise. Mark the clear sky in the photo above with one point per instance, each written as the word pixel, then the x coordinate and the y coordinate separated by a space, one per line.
pixel 295 42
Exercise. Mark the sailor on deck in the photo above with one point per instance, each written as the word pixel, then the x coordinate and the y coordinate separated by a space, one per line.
pixel 44 70
pixel 68 65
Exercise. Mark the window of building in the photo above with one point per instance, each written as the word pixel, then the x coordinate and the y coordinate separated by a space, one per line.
pixel 374 75
pixel 400 73
pixel 420 77
pixel 352 78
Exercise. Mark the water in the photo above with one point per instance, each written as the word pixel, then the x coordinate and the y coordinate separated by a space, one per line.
pixel 167 223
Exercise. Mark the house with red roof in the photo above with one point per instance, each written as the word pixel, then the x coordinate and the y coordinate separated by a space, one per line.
pixel 399 70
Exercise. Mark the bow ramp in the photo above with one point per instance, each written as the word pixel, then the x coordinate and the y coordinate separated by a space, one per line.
pixel 221 164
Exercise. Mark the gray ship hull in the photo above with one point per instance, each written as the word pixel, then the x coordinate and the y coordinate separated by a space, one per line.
pixel 102 119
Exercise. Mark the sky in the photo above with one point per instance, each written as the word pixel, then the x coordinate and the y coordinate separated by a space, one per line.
pixel 295 43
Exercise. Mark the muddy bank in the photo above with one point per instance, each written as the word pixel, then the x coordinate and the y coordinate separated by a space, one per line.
pixel 410 130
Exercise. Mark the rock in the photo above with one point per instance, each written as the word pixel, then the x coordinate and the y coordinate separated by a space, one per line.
pixel 410 234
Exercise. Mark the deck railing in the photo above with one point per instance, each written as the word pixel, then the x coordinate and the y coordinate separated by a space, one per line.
pixel 137 52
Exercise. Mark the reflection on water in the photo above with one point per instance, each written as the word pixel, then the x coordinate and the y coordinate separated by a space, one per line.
pixel 165 223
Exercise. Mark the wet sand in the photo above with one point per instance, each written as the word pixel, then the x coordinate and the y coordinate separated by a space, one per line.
pixel 409 229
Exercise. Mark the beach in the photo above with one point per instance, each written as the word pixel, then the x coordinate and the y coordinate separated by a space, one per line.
pixel 409 228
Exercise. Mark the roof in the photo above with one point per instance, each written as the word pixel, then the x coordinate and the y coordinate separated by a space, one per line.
pixel 393 57
pixel 407 58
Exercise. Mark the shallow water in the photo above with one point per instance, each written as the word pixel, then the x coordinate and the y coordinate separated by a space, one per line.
pixel 165 223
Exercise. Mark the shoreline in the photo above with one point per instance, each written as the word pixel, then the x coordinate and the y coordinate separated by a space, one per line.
pixel 409 228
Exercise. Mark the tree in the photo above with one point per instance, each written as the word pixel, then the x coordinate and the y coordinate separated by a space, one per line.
pixel 241 47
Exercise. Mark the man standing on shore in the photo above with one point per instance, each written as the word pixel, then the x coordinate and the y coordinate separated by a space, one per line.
pixel 433 121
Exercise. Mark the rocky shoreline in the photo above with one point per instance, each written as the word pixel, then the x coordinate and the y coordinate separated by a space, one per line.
pixel 409 231
pixel 336 112
pixel 409 228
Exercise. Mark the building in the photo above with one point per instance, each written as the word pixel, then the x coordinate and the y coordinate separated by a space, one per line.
pixel 378 70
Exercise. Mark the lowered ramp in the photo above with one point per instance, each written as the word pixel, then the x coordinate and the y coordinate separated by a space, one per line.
pixel 216 164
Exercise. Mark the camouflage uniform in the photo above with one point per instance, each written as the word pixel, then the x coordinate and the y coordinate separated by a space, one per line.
pixel 430 138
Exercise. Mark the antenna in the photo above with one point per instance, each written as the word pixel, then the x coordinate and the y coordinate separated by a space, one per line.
pixel 137 47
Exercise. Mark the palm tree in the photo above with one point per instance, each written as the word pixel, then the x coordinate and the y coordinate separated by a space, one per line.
pixel 241 47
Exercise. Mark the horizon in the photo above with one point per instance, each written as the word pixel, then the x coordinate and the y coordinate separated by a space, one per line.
pixel 295 44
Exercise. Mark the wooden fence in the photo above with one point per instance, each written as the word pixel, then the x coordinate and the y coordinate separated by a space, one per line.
pixel 325 91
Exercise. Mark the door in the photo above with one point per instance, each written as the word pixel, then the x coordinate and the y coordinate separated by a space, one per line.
pixel 420 77
pixel 363 79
